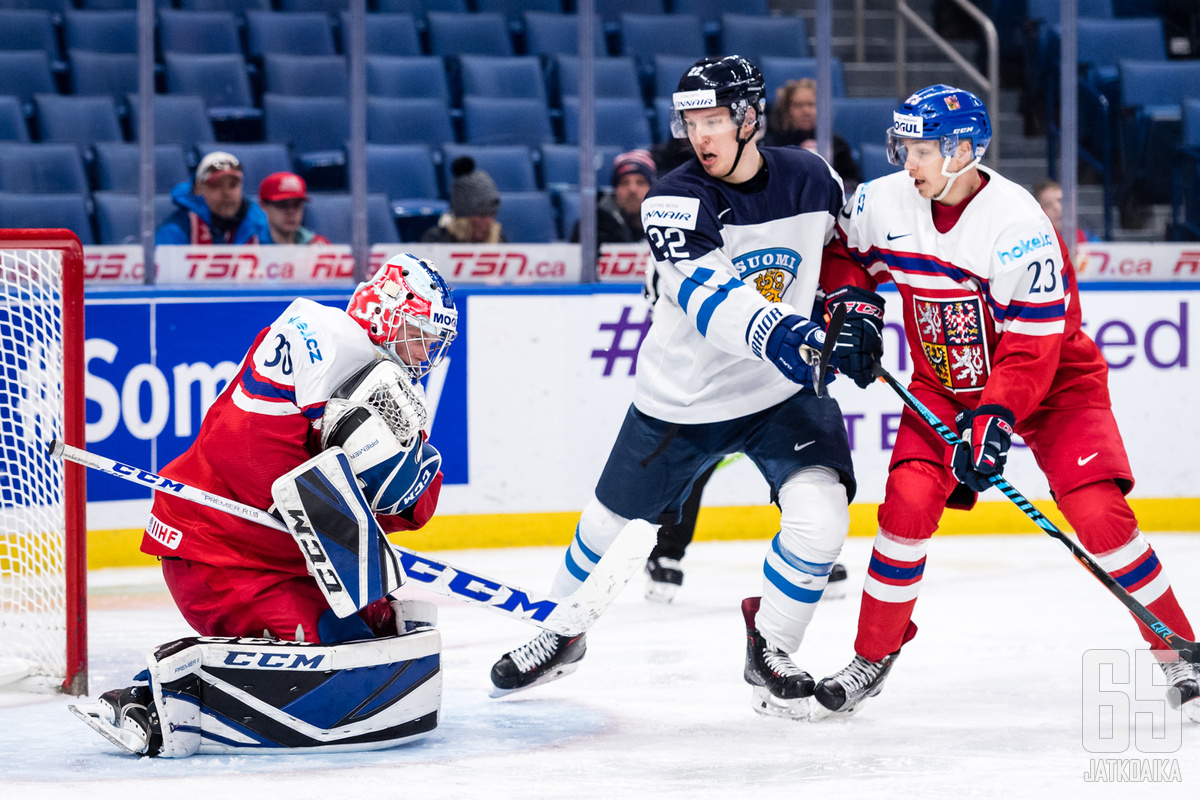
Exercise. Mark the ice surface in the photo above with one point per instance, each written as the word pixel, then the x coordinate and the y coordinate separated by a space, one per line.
pixel 985 702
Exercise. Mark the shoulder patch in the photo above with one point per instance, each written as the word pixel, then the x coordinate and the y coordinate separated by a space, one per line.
pixel 670 212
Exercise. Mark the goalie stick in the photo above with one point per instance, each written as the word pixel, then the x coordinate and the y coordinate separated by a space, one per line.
pixel 569 615
pixel 1188 650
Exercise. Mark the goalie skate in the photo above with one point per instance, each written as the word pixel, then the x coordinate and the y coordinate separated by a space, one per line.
pixel 781 689
pixel 843 693
pixel 1182 677
pixel 664 577
pixel 548 657
pixel 125 717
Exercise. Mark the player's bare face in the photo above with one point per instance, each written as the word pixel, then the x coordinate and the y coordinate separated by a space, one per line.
pixel 924 165
pixel 713 136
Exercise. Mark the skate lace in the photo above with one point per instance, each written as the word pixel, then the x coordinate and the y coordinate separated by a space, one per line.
pixel 534 654
pixel 667 563
pixel 857 675
pixel 780 663
pixel 1177 671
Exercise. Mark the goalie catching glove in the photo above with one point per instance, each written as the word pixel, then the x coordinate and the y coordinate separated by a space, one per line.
pixel 377 418
pixel 860 344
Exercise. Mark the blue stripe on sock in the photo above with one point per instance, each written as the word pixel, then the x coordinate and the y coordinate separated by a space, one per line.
pixel 791 590
pixel 575 570
pixel 1130 578
pixel 811 567
pixel 896 573
pixel 583 548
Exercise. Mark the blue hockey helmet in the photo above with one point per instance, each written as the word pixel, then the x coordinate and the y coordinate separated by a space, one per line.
pixel 939 112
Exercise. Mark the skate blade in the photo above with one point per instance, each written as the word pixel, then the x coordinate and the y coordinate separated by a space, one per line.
pixel 561 672
pixel 768 705
pixel 659 592
pixel 822 714
pixel 127 741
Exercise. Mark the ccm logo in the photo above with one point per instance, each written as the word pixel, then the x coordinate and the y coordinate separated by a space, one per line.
pixel 244 658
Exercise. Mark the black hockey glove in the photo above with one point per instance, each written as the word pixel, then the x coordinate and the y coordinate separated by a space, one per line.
pixel 986 433
pixel 860 344
pixel 794 345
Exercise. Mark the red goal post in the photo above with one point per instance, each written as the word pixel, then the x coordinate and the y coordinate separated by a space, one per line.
pixel 43 501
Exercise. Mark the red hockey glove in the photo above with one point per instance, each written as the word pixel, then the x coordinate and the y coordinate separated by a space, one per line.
pixel 860 344
pixel 986 433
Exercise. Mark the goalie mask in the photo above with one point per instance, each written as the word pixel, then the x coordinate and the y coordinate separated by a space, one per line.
pixel 408 310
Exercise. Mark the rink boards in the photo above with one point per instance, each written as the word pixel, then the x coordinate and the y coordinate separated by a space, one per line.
pixel 538 382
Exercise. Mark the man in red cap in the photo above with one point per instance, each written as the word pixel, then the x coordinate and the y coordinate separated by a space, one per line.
pixel 211 209
pixel 283 195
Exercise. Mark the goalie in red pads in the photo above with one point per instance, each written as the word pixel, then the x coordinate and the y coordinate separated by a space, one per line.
pixel 324 423
pixel 992 317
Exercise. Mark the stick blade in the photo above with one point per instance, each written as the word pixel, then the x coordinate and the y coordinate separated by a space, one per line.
pixel 627 554
pixel 832 331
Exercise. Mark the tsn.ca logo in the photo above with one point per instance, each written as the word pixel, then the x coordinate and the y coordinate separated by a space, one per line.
pixel 500 265
pixel 205 265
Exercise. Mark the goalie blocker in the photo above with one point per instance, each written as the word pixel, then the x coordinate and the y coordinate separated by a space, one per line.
pixel 241 695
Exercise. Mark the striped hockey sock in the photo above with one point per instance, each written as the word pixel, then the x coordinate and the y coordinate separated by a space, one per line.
pixel 889 594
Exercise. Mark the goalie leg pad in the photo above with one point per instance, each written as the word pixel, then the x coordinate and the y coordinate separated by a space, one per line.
pixel 242 695
pixel 332 522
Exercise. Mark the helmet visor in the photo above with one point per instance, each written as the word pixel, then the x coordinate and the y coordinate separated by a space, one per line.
pixel 701 122
pixel 923 150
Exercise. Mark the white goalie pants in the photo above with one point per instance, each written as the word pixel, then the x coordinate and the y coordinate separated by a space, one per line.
pixel 814 522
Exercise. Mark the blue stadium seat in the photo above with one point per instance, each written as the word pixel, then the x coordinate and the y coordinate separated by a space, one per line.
pixel 667 72
pixel 118 166
pixel 306 76
pixel 408 120
pixel 220 79
pixel 55 168
pixel 323 6
pixel 12 121
pixel 710 11
pixel 56 6
pixel 314 128
pixel 662 117
pixel 28 29
pixel 298 34
pixel 503 76
pixel 862 120
pixel 178 119
pixel 101 31
pixel 198 32
pixel 874 162
pixel 120 5
pixel 528 217
pixel 119 216
pixel 1152 94
pixel 259 159
pixel 422 7
pixel 569 204
pixel 489 120
pixel 402 171
pixel 114 74
pixel 778 70
pixel 644 36
pixel 239 7
pixel 611 10
pixel 512 9
pixel 468 34
pixel 387 35
pixel 24 73
pixel 511 166
pixel 558 34
pixel 620 122
pixel 1185 195
pixel 330 216
pixel 1050 10
pixel 47 210
pixel 80 119
pixel 560 166
pixel 756 37
pixel 407 76
pixel 615 77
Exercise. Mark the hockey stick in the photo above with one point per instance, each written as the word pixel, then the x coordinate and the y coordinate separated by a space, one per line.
pixel 570 615
pixel 832 331
pixel 1187 650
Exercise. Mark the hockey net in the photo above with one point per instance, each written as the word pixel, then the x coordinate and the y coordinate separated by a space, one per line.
pixel 43 569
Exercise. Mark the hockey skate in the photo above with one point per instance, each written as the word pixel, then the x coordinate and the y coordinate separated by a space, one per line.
pixel 836 588
pixel 1182 677
pixel 126 717
pixel 843 693
pixel 547 658
pixel 781 689
pixel 665 578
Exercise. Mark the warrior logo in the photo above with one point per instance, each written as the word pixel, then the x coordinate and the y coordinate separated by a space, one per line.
pixel 951 334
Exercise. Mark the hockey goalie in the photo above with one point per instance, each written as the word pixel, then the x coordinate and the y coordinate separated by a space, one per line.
pixel 301 646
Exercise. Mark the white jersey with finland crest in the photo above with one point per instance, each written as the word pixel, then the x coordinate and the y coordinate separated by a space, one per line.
pixel 728 262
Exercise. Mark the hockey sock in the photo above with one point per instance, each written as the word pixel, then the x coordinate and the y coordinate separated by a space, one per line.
pixel 889 594
pixel 594 534
pixel 791 589
pixel 1107 527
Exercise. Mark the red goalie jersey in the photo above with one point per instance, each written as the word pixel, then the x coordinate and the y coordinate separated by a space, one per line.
pixel 264 424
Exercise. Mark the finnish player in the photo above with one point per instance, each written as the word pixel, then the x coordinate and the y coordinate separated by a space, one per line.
pixel 992 317
pixel 316 378
pixel 737 235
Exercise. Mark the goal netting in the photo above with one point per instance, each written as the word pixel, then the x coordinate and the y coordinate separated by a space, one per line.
pixel 43 571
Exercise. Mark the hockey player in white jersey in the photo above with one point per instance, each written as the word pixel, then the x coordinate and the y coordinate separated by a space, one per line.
pixel 737 236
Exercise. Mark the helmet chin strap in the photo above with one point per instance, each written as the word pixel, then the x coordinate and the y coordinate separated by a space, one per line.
pixel 742 146
pixel 953 176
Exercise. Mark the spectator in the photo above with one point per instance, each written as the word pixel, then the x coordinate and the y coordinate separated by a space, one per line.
pixel 283 195
pixel 619 212
pixel 474 201
pixel 1048 193
pixel 793 121
pixel 212 210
